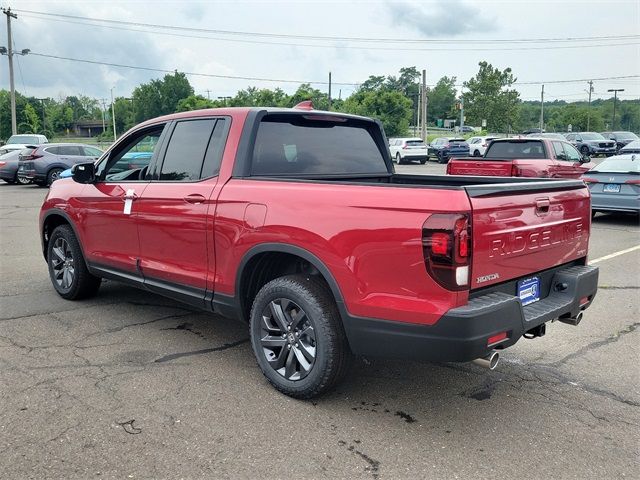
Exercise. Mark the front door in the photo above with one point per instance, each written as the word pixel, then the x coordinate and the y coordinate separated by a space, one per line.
pixel 174 210
pixel 108 219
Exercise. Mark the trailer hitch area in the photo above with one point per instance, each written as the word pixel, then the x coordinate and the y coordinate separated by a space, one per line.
pixel 538 331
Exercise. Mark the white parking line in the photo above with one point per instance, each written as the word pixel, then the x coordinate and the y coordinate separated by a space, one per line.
pixel 615 254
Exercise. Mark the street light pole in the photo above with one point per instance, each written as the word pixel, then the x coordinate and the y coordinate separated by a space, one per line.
pixel 113 115
pixel 10 15
pixel 615 99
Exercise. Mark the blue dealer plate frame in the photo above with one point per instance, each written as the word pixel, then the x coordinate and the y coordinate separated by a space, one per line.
pixel 529 290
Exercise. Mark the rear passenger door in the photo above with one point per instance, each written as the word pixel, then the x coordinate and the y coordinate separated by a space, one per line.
pixel 175 210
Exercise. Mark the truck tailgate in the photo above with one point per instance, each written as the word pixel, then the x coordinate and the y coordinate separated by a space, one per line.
pixel 520 229
pixel 496 168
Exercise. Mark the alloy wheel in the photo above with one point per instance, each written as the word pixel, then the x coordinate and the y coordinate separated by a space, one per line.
pixel 288 339
pixel 62 263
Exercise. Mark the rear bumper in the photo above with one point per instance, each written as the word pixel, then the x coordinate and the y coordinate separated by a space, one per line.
pixel 461 334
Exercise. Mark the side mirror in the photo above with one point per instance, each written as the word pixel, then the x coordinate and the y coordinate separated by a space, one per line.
pixel 84 172
pixel 585 159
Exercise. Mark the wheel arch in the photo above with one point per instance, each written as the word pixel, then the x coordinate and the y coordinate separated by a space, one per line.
pixel 51 220
pixel 277 259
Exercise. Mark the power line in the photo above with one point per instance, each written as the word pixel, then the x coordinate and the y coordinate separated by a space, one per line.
pixel 84 21
pixel 280 80
pixel 164 70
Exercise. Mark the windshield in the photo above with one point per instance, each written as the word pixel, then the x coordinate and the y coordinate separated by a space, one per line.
pixel 632 147
pixel 25 139
pixel 592 136
pixel 626 136
pixel 619 164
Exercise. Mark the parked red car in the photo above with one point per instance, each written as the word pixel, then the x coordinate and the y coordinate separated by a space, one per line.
pixel 524 157
pixel 294 221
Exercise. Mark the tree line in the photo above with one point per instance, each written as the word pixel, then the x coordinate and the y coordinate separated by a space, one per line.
pixel 489 95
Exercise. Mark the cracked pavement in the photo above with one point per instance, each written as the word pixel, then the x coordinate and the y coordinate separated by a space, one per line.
pixel 132 385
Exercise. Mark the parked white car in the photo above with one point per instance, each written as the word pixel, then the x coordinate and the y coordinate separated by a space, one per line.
pixel 478 145
pixel 405 150
pixel 20 142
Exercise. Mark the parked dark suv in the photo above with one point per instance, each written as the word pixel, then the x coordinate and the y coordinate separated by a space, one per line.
pixel 622 139
pixel 43 164
pixel 446 147
pixel 592 143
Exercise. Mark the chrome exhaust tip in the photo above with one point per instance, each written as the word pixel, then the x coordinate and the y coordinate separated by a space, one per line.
pixel 572 320
pixel 490 361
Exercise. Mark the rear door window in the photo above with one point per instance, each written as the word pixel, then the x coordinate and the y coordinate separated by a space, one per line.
pixel 296 144
pixel 184 157
pixel 70 151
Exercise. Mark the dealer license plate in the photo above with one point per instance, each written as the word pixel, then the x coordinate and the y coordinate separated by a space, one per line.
pixel 529 290
pixel 611 188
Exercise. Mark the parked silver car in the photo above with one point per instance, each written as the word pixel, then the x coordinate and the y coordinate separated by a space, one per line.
pixel 615 184
pixel 43 164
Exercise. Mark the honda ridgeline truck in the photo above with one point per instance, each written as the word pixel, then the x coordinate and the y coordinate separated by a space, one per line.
pixel 295 222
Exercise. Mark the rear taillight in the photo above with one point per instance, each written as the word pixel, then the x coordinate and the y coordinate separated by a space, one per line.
pixel 32 156
pixel 405 147
pixel 484 145
pixel 448 168
pixel 2 164
pixel 515 171
pixel 590 180
pixel 633 182
pixel 445 146
pixel 446 244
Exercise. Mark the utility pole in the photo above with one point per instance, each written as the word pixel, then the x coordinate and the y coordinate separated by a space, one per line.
pixel 615 99
pixel 104 109
pixel 329 91
pixel 113 115
pixel 208 92
pixel 542 109
pixel 461 112
pixel 43 123
pixel 590 82
pixel 10 15
pixel 423 105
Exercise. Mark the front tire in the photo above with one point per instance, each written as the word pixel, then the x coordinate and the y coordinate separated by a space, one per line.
pixel 584 150
pixel 297 336
pixel 67 268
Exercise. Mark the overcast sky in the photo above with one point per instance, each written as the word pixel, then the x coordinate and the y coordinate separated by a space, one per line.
pixel 468 22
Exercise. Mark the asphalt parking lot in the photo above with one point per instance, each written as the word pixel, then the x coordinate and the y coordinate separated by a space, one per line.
pixel 132 385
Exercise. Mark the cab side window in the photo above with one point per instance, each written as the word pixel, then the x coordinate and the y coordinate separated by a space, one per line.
pixel 571 153
pixel 194 151
pixel 558 149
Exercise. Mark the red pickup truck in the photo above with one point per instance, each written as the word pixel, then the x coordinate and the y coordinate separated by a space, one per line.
pixel 294 221
pixel 525 157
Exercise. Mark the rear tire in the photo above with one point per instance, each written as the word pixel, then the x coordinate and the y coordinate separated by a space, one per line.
pixel 476 153
pixel 67 268
pixel 424 160
pixel 398 159
pixel 297 336
pixel 10 182
pixel 53 175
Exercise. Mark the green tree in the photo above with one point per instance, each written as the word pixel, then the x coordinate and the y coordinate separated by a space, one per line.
pixel 442 99
pixel 160 97
pixel 32 122
pixel 489 97
pixel 195 102
pixel 392 108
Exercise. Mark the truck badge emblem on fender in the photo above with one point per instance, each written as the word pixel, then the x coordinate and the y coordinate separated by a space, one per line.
pixel 486 278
